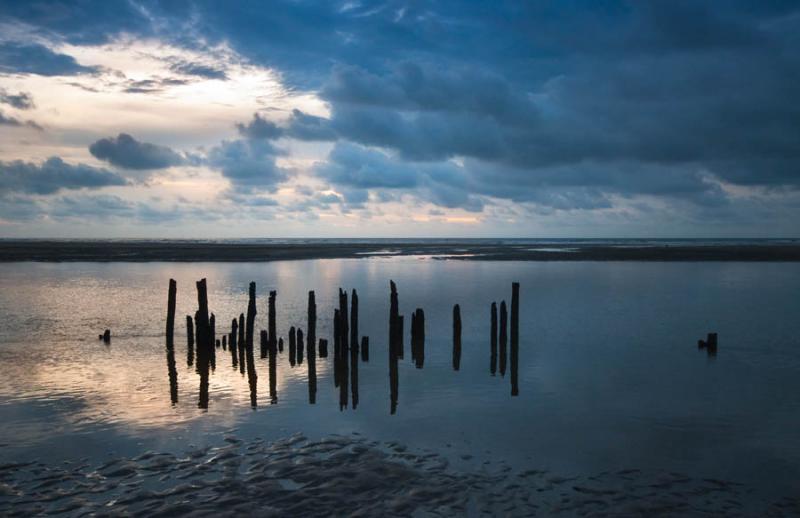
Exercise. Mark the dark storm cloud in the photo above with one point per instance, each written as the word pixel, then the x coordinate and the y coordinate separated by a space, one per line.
pixel 33 58
pixel 568 105
pixel 189 68
pixel 259 128
pixel 249 164
pixel 51 176
pixel 81 22
pixel 19 100
pixel 127 152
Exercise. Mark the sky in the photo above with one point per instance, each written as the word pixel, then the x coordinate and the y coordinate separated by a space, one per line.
pixel 208 119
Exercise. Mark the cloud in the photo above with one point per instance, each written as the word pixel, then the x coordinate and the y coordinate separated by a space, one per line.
pixel 259 128
pixel 127 152
pixel 20 100
pixel 33 58
pixel 249 164
pixel 152 85
pixel 53 175
pixel 190 68
pixel 12 121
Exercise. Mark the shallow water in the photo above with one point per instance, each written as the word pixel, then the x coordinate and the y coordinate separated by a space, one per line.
pixel 610 375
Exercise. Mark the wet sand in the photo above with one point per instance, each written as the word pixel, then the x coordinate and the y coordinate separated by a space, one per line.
pixel 349 475
pixel 489 250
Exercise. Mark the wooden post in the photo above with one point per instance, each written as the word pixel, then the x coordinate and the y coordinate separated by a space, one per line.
pixel 323 348
pixel 364 348
pixel 493 341
pixel 420 338
pixel 515 339
pixel 337 336
pixel 107 336
pixel 292 346
pixel 212 324
pixel 203 341
pixel 456 337
pixel 273 380
pixel 173 290
pixel 311 325
pixel 503 337
pixel 312 359
pixel 280 345
pixel 190 339
pixel 354 320
pixel 224 342
pixel 233 347
pixel 241 343
pixel 212 352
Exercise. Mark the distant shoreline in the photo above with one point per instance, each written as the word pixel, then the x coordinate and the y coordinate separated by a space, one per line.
pixel 472 250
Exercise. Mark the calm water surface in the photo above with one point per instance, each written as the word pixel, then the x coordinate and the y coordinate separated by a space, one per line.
pixel 610 376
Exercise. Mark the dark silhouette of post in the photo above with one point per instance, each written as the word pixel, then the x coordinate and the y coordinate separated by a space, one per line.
pixel 224 342
pixel 203 341
pixel 172 374
pixel 173 290
pixel 272 350
pixel 292 346
pixel 212 324
pixel 323 348
pixel 311 354
pixel 418 338
pixel 344 327
pixel 106 336
pixel 212 352
pixel 300 346
pixel 311 325
pixel 189 340
pixel 242 345
pixel 364 348
pixel 233 347
pixel 456 337
pixel 394 321
pixel 280 345
pixel 503 337
pixel 493 341
pixel 515 339
pixel 273 334
pixel 337 338
pixel 354 320
pixel 251 317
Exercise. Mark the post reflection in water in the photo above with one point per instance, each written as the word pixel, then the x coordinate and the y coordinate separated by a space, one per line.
pixel 348 349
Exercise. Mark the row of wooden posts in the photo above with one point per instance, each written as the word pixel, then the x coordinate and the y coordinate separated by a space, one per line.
pixel 347 347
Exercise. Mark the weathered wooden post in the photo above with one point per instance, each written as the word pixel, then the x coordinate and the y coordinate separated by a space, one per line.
pixel 292 346
pixel 107 336
pixel 493 341
pixel 323 348
pixel 344 341
pixel 503 337
pixel 354 367
pixel 190 339
pixel 312 361
pixel 419 335
pixel 203 341
pixel 515 339
pixel 364 348
pixel 280 344
pixel 172 292
pixel 354 320
pixel 233 347
pixel 172 374
pixel 212 323
pixel 337 338
pixel 456 337
pixel 212 352
pixel 273 380
pixel 242 344
pixel 225 342
pixel 312 321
